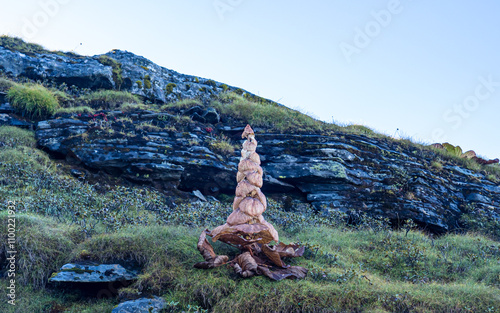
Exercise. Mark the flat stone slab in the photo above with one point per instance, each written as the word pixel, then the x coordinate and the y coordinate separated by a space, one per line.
pixel 102 273
pixel 142 305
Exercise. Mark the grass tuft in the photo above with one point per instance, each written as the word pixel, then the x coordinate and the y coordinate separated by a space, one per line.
pixel 32 101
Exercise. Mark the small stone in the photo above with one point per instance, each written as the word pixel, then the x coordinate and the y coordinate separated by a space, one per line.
pixel 142 305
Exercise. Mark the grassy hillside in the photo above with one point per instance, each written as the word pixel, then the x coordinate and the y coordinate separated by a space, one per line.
pixel 366 267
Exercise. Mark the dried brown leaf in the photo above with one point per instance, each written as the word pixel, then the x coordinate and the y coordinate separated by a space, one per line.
pixel 211 259
pixel 290 251
pixel 247 265
pixel 273 255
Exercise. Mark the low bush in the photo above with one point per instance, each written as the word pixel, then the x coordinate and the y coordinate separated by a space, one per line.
pixel 32 101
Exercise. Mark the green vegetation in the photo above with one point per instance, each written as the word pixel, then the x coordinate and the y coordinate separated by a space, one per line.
pixel 75 110
pixel 108 99
pixel 181 104
pixel 359 129
pixel 116 69
pixel 17 44
pixel 274 116
pixel 32 101
pixel 147 82
pixel 222 145
pixel 139 84
pixel 129 107
pixel 170 88
pixel 5 84
pixel 365 267
pixel 147 126
pixel 12 137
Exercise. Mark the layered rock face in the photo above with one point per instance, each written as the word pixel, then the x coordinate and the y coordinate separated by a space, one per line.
pixel 339 172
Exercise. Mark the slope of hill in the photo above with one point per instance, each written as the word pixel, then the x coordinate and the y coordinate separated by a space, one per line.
pixel 112 170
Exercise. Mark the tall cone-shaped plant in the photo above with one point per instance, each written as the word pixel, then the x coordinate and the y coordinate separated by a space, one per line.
pixel 247 229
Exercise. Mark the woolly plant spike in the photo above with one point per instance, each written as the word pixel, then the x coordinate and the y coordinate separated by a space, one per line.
pixel 247 229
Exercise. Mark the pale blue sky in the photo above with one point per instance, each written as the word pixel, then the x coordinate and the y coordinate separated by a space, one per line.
pixel 429 68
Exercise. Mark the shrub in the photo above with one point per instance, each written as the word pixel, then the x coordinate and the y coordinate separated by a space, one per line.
pixel 147 82
pixel 139 84
pixel 32 101
pixel 170 88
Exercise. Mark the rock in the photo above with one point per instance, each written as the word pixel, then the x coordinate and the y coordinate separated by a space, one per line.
pixel 478 198
pixel 139 75
pixel 211 116
pixel 194 110
pixel 6 108
pixel 77 173
pixel 84 72
pixel 142 305
pixel 199 195
pixel 102 273
pixel 313 172
pixel 7 120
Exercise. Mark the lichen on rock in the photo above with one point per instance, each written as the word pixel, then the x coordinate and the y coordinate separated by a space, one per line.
pixel 247 229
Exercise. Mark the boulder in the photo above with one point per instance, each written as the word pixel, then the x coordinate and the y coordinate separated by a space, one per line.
pixel 83 273
pixel 142 305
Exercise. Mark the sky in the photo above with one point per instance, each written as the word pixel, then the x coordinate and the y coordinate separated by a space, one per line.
pixel 424 70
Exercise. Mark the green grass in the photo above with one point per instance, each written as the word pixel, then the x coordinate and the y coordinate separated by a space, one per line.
pixel 5 84
pixel 32 101
pixel 75 110
pixel 273 116
pixel 42 245
pixel 17 44
pixel 108 99
pixel 222 145
pixel 12 137
pixel 182 104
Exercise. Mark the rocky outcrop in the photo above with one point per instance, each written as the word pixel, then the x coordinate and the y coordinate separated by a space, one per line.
pixel 342 172
pixel 83 72
pixel 114 70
